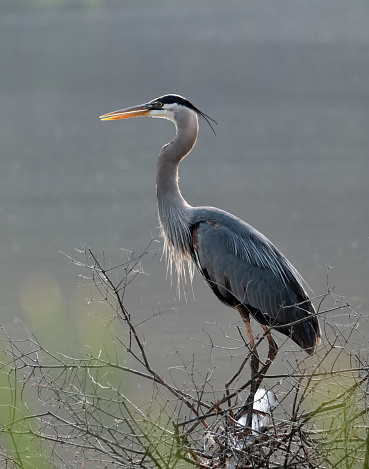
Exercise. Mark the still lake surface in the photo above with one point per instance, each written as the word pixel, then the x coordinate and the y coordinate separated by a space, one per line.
pixel 288 84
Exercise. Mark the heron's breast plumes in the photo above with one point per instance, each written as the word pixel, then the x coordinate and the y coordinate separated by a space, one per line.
pixel 175 230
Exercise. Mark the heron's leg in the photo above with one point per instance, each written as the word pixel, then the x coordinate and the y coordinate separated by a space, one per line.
pixel 254 366
pixel 272 352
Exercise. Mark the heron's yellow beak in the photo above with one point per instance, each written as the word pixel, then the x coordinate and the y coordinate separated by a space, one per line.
pixel 135 111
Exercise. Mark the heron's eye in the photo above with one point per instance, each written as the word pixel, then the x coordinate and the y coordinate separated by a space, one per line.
pixel 159 104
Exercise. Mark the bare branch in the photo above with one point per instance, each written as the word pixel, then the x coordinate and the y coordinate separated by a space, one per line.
pixel 83 410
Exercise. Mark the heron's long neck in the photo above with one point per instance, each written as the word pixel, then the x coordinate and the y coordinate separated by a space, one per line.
pixel 172 207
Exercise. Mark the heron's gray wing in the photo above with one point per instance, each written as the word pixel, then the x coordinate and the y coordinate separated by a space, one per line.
pixel 229 266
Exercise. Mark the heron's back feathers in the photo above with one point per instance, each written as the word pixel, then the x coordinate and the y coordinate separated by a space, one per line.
pixel 243 267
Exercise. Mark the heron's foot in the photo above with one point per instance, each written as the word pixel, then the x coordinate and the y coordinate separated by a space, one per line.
pixel 242 411
pixel 246 410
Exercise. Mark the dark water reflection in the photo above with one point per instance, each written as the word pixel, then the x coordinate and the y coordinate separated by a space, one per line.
pixel 288 84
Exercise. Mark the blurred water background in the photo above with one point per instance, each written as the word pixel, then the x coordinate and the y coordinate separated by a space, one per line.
pixel 287 81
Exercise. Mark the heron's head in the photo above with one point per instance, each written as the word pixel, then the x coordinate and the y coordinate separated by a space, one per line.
pixel 169 107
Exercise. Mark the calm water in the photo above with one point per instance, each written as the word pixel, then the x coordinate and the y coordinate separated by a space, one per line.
pixel 288 84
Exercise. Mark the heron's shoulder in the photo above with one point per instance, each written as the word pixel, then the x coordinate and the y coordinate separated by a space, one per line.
pixel 236 226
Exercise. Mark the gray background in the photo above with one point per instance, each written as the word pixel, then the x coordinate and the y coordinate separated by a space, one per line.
pixel 287 82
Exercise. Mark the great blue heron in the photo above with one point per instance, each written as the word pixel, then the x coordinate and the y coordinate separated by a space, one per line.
pixel 242 267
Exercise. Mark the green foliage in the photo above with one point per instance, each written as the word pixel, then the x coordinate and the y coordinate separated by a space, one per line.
pixel 21 447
